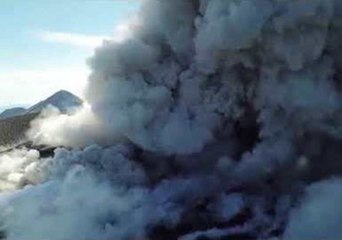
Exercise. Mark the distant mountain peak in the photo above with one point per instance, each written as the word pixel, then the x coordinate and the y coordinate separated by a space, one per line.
pixel 63 93
pixel 62 100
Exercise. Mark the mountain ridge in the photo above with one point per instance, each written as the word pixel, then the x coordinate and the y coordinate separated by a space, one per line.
pixel 62 100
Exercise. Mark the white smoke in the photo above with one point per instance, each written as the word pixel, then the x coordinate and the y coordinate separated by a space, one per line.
pixel 16 167
pixel 203 98
pixel 78 207
pixel 55 129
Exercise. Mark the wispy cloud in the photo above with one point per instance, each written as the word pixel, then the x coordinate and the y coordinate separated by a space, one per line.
pixel 121 32
pixel 75 39
pixel 27 86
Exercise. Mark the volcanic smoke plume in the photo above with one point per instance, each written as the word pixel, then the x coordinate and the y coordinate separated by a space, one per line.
pixel 216 118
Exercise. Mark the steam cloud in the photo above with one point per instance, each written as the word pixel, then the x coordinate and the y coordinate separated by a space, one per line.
pixel 208 110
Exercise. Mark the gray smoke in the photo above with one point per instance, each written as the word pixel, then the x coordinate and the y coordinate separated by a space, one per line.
pixel 207 110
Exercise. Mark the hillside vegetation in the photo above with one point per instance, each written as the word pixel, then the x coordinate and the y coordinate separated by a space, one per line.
pixel 12 130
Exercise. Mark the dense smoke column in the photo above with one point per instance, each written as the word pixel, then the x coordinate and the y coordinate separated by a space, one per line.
pixel 212 118
pixel 255 81
pixel 247 88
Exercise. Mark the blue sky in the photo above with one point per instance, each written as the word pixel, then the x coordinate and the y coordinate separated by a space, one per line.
pixel 44 44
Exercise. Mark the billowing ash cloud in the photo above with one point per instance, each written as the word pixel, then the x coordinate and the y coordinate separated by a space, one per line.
pixel 209 112
pixel 320 214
